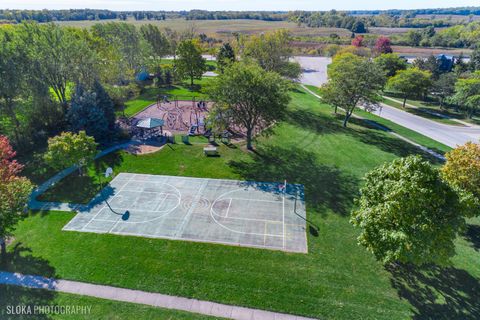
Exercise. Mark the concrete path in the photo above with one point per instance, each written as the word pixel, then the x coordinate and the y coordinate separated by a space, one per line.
pixel 34 204
pixel 431 152
pixel 142 297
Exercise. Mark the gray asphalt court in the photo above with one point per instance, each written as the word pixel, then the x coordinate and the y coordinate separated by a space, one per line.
pixel 241 213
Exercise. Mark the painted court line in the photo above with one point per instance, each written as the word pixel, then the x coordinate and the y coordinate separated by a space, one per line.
pixel 186 218
pixel 143 297
pixel 228 209
pixel 105 205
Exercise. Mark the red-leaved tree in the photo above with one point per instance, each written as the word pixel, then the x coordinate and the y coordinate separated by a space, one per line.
pixel 383 45
pixel 14 191
pixel 358 41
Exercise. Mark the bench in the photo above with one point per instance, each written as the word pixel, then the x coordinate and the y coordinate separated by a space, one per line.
pixel 210 151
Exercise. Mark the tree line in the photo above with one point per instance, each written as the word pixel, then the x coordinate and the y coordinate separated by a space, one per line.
pixel 60 78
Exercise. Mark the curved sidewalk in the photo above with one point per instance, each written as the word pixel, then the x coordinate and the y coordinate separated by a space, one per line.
pixel 143 297
pixel 34 204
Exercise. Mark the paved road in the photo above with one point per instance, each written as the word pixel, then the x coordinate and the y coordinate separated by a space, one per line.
pixel 316 74
pixel 314 69
pixel 446 134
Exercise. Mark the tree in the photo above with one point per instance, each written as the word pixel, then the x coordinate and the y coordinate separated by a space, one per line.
pixel 250 97
pixel 125 38
pixel 69 149
pixel 359 27
pixel 412 82
pixel 190 63
pixel 383 45
pixel 272 51
pixel 13 70
pixel 353 80
pixel 390 63
pixel 157 40
pixel 462 168
pixel 14 192
pixel 225 56
pixel 358 41
pixel 92 112
pixel 58 57
pixel 467 94
pixel 408 214
pixel 475 60
pixel 414 38
pixel 444 87
pixel 432 65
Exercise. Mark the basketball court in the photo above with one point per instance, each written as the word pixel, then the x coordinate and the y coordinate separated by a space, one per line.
pixel 251 214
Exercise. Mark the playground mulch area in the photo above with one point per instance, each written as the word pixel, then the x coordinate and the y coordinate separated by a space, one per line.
pixel 251 214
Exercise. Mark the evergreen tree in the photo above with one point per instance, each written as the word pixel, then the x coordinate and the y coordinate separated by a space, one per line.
pixel 86 115
pixel 225 56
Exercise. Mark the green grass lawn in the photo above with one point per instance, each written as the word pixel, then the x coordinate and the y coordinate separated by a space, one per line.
pixel 405 132
pixel 99 308
pixel 182 91
pixel 337 279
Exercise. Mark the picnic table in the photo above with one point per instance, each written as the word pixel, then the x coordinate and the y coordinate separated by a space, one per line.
pixel 210 151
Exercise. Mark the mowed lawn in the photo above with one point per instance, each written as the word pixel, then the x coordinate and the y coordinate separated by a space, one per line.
pixel 181 91
pixel 98 308
pixel 337 279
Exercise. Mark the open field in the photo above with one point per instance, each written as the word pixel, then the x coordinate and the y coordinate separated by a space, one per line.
pixel 425 52
pixel 100 308
pixel 225 28
pixel 337 279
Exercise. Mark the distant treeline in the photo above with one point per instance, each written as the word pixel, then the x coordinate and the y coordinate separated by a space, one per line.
pixel 340 19
pixel 347 20
pixel 85 14
pixel 462 11
pixel 230 15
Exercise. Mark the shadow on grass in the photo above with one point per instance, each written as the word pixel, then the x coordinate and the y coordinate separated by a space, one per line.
pixel 325 187
pixel 20 259
pixel 80 189
pixel 321 124
pixel 472 234
pixel 438 293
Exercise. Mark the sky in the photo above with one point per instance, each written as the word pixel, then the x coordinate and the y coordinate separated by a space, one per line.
pixel 279 5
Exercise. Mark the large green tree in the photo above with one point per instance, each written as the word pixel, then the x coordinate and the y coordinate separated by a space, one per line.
pixel 58 56
pixel 411 83
pixel 467 94
pixel 408 214
pixel 69 149
pixel 93 112
pixel 249 97
pixel 126 39
pixel 190 63
pixel 14 191
pixel 462 168
pixel 273 52
pixel 390 63
pixel 13 77
pixel 353 80
pixel 444 87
